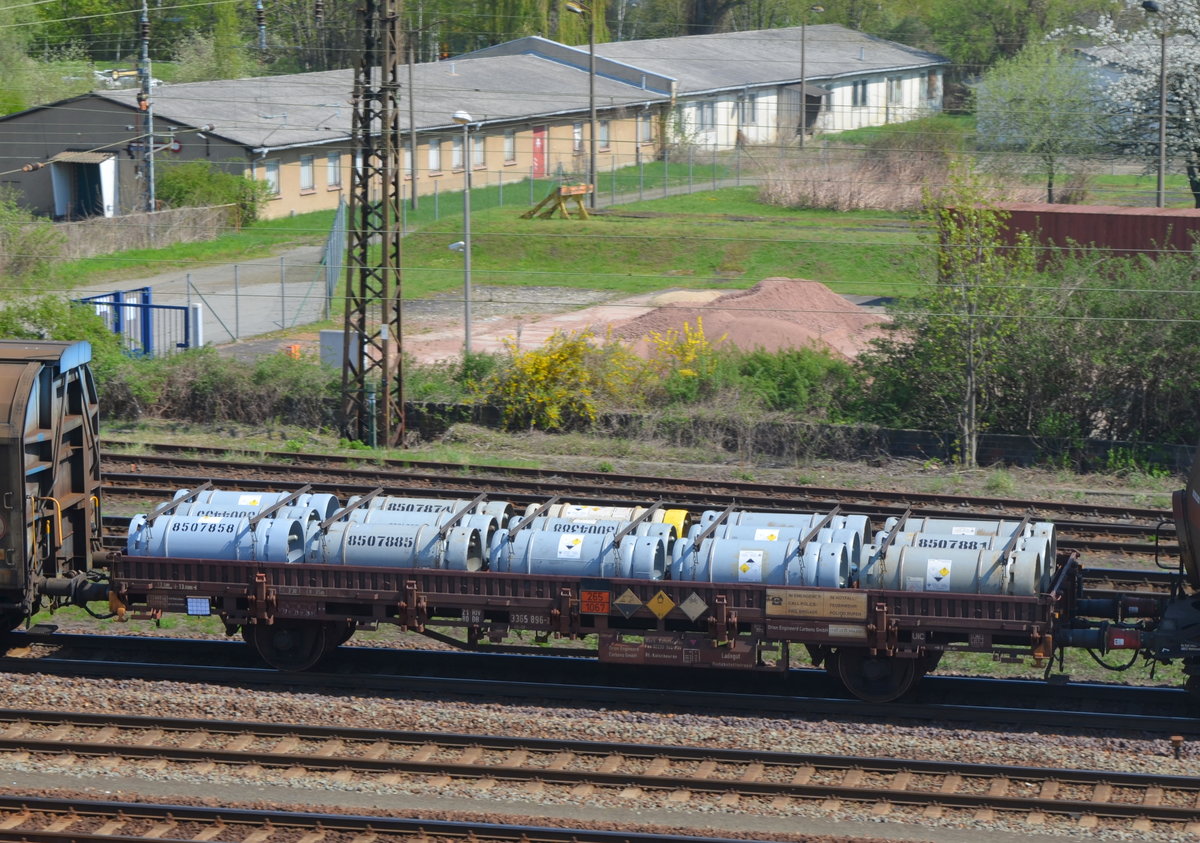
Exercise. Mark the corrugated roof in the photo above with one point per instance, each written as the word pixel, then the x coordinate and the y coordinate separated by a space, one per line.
pixel 308 108
pixel 69 157
pixel 728 59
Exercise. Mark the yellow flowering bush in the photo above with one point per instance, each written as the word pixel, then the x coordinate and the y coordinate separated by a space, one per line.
pixel 558 385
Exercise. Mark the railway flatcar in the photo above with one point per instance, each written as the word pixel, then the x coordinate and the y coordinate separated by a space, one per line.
pixel 296 574
pixel 50 476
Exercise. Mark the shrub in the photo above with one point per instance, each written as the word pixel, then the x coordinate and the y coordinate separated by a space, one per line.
pixel 201 184
pixel 28 245
pixel 807 381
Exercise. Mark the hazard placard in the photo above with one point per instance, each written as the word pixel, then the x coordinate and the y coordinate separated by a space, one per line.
pixel 660 604
pixel 594 602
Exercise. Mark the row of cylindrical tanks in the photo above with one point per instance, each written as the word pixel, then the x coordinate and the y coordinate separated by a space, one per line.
pixel 736 546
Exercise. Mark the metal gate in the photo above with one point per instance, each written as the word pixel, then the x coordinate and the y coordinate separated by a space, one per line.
pixel 146 329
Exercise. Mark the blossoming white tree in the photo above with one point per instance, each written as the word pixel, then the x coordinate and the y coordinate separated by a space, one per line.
pixel 1131 43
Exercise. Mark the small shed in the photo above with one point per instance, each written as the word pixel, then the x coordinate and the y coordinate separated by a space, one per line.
pixel 1126 231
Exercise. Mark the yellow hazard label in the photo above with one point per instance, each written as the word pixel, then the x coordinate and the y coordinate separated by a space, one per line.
pixel 660 604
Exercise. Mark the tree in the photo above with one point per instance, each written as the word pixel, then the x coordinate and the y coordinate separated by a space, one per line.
pixel 944 361
pixel 1135 93
pixel 1043 103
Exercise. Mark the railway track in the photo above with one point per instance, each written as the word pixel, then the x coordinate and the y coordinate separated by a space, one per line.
pixel 687 775
pixel 377 670
pixel 47 820
pixel 1089 536
pixel 418 474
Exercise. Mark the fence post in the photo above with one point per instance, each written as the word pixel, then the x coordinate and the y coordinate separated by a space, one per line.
pixel 691 168
pixel 195 317
pixel 666 169
pixel 237 306
pixel 531 199
pixel 714 166
pixel 147 321
pixel 500 190
pixel 437 198
pixel 282 297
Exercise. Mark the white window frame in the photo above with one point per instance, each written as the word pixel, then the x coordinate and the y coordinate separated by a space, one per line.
pixel 577 136
pixel 858 94
pixel 750 110
pixel 435 155
pixel 646 127
pixel 478 151
pixel 604 134
pixel 456 152
pixel 510 146
pixel 333 169
pixel 895 90
pixel 271 176
pixel 308 176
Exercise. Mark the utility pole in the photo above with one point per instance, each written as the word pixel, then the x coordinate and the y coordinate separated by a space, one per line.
pixel 373 348
pixel 146 106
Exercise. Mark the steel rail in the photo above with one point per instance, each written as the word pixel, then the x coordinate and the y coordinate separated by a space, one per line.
pixel 521 760
pixel 570 481
pixel 596 478
pixel 140 484
pixel 168 817
pixel 1006 704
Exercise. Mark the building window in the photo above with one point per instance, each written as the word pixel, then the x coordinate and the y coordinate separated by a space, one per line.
pixel 456 153
pixel 577 137
pixel 932 85
pixel 408 173
pixel 858 93
pixel 895 90
pixel 333 169
pixel 645 127
pixel 479 151
pixel 510 146
pixel 706 116
pixel 271 176
pixel 750 110
pixel 307 178
pixel 435 156
pixel 602 136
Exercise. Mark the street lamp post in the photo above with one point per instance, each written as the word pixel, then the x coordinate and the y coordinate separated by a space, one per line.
pixel 464 119
pixel 1161 197
pixel 803 92
pixel 586 11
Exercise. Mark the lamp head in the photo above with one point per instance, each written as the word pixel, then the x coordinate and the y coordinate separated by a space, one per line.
pixel 461 117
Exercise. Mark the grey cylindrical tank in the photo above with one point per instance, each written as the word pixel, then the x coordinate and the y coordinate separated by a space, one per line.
pixel 956 571
pixel 578 554
pixel 232 504
pixel 485 524
pixel 210 537
pixel 397 546
pixel 767 562
pixel 431 506
pixel 585 525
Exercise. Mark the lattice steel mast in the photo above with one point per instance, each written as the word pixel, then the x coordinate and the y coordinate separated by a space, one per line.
pixel 374 364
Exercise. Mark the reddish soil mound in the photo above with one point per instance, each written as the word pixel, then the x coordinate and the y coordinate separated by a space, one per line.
pixel 775 314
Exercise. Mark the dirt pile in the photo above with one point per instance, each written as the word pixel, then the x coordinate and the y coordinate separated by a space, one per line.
pixel 775 314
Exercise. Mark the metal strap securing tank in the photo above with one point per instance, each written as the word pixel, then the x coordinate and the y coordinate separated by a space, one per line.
pixel 346 510
pixel 818 527
pixel 708 531
pixel 169 505
pixel 271 510
pixel 525 522
pixel 458 516
pixel 891 536
pixel 1012 540
pixel 632 525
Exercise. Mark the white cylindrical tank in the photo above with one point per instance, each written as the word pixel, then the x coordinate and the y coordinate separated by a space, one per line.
pixel 211 537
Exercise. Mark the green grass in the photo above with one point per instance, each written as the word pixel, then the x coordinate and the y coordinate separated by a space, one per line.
pixel 1140 190
pixel 254 241
pixel 720 238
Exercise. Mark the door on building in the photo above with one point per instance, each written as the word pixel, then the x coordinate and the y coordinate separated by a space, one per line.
pixel 540 135
pixel 84 184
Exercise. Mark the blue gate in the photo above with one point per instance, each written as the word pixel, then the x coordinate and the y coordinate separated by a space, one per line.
pixel 146 329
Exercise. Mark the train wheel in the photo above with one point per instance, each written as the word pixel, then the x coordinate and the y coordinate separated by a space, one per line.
pixel 875 678
pixel 290 645
pixel 11 620
pixel 338 634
